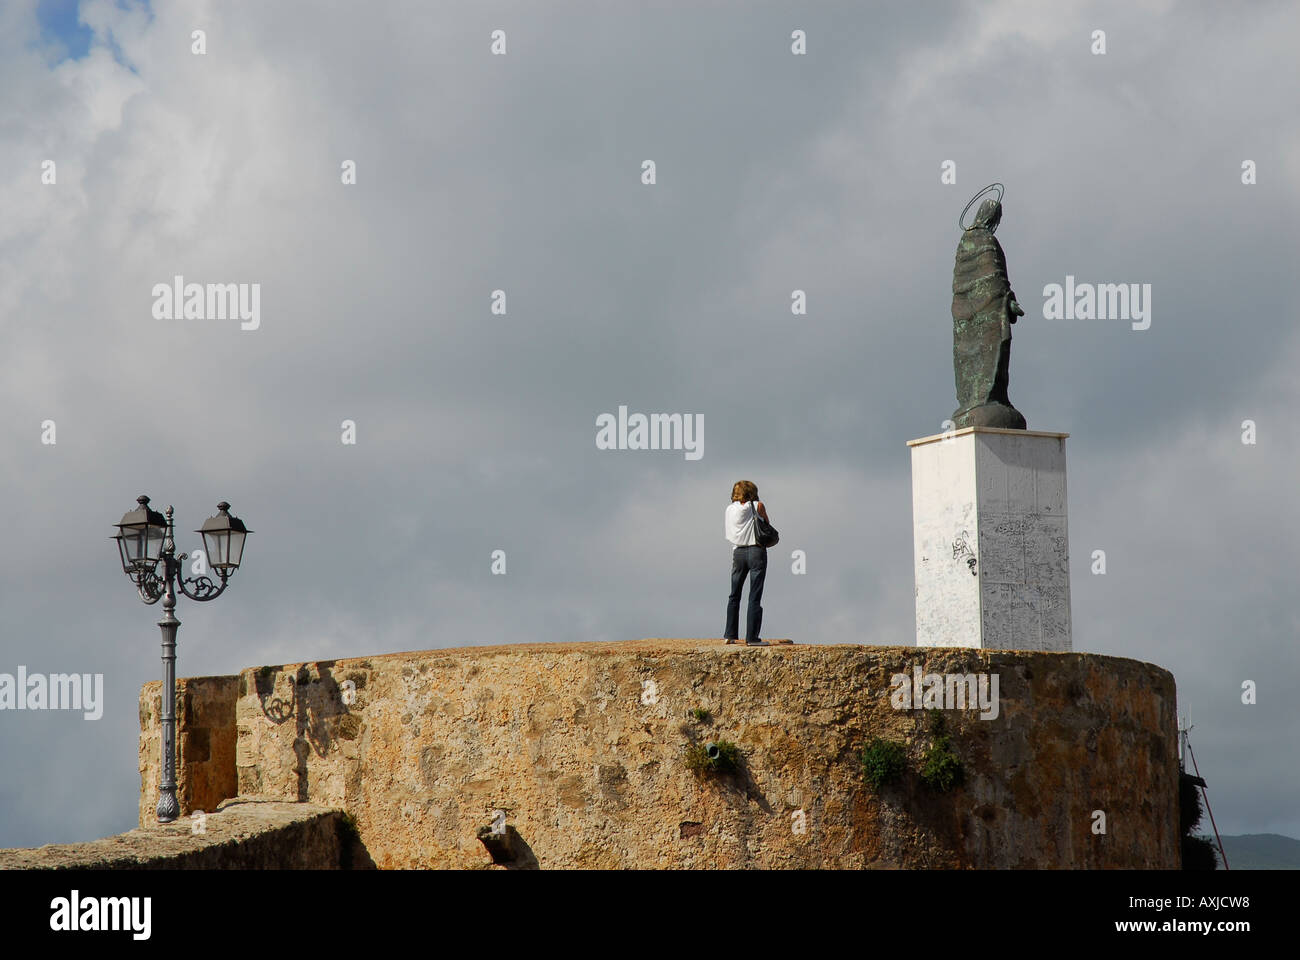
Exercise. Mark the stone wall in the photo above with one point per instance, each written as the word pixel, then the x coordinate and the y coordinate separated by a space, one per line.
pixel 582 745
pixel 240 835
pixel 205 731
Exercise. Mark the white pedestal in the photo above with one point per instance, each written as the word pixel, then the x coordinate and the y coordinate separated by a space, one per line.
pixel 992 553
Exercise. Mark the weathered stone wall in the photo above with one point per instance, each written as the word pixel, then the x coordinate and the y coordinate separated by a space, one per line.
pixel 582 746
pixel 205 736
pixel 243 835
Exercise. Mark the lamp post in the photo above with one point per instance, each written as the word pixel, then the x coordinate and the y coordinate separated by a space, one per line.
pixel 144 539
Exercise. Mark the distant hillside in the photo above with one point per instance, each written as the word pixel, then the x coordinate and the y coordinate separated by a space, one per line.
pixel 1260 851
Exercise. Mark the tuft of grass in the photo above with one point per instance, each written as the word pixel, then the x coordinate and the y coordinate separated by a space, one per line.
pixel 941 768
pixel 700 715
pixel 728 758
pixel 883 762
pixel 936 722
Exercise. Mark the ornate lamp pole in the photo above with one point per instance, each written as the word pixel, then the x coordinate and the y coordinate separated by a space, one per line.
pixel 144 539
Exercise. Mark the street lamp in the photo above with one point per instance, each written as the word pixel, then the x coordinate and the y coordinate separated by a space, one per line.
pixel 144 539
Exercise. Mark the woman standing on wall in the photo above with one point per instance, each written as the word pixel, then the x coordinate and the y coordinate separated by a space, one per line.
pixel 744 530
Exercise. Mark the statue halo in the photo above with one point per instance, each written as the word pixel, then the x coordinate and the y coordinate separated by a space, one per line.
pixel 975 199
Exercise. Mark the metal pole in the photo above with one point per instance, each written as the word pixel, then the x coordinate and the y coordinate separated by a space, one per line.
pixel 168 807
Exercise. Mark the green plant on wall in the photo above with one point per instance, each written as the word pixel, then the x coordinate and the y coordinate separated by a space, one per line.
pixel 700 715
pixel 1198 852
pixel 722 756
pixel 882 762
pixel 941 768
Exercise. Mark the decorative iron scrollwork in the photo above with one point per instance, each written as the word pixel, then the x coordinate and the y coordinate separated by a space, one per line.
pixel 151 588
pixel 201 588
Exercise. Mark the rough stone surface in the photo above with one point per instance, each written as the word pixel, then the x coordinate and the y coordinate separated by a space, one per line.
pixel 242 835
pixel 205 736
pixel 582 745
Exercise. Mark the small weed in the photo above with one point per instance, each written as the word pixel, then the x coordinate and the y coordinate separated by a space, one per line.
pixel 882 762
pixel 940 768
pixel 720 757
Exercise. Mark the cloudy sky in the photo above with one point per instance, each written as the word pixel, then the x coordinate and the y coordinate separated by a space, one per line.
pixel 476 431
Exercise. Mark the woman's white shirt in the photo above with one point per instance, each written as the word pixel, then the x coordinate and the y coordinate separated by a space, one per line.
pixel 739 524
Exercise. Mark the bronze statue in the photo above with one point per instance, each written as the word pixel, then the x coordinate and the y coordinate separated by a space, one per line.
pixel 983 309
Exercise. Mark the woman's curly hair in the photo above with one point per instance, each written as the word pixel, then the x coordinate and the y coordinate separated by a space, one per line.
pixel 744 490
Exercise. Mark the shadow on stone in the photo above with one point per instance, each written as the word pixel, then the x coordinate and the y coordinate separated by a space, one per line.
pixel 508 849
pixel 739 785
pixel 353 854
pixel 315 703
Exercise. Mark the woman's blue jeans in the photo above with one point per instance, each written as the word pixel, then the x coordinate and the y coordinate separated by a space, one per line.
pixel 751 560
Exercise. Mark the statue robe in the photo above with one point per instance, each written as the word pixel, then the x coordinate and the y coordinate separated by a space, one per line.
pixel 981 332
